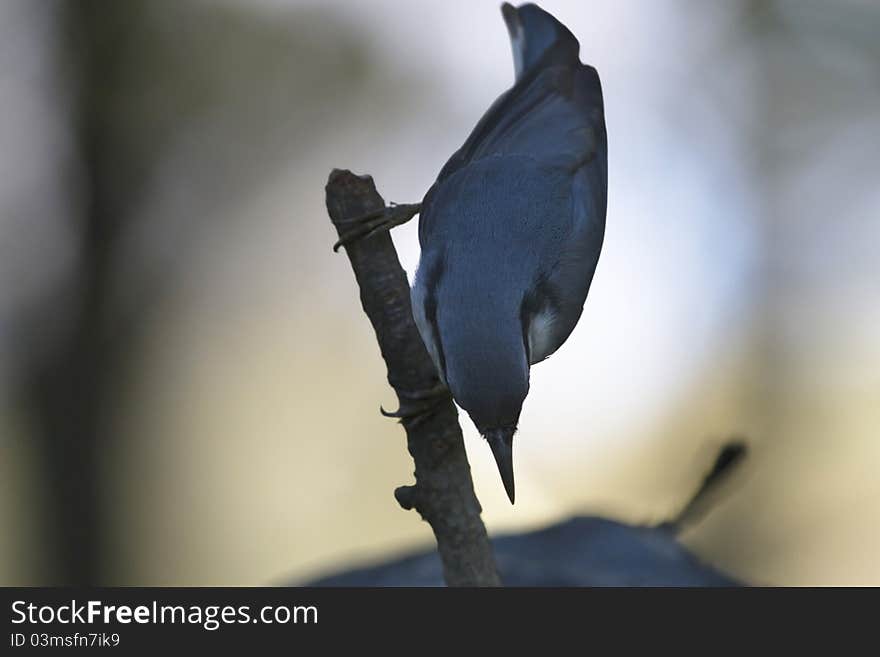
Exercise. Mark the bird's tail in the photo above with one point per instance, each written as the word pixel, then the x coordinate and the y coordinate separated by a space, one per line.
pixel 728 460
pixel 536 35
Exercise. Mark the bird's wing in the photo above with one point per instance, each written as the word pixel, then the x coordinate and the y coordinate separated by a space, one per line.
pixel 555 303
pixel 553 114
pixel 580 139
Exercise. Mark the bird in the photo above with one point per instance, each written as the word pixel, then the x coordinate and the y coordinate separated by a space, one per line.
pixel 511 231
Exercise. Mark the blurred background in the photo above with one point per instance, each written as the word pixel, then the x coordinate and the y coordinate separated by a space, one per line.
pixel 189 390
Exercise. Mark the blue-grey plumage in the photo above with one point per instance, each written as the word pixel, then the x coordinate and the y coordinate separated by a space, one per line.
pixel 512 229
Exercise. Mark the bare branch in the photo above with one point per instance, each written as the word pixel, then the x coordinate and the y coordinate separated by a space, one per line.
pixel 443 493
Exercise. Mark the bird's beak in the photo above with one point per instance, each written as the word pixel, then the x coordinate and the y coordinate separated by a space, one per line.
pixel 501 442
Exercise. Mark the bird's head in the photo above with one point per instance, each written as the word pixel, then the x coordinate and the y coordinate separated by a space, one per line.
pixel 534 34
pixel 489 379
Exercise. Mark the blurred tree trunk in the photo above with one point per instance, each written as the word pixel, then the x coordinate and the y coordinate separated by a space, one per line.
pixel 69 390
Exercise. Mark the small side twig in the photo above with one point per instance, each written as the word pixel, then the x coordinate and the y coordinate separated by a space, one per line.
pixel 443 493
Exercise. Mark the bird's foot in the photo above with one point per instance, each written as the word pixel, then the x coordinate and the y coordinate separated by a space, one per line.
pixel 376 222
pixel 416 406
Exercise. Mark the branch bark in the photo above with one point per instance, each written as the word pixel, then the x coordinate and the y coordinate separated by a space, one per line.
pixel 444 492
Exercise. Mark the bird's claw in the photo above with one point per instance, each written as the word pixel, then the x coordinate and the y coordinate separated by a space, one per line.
pixel 418 405
pixel 377 222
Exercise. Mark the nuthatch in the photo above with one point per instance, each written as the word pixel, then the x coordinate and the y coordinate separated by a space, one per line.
pixel 512 229
pixel 510 233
